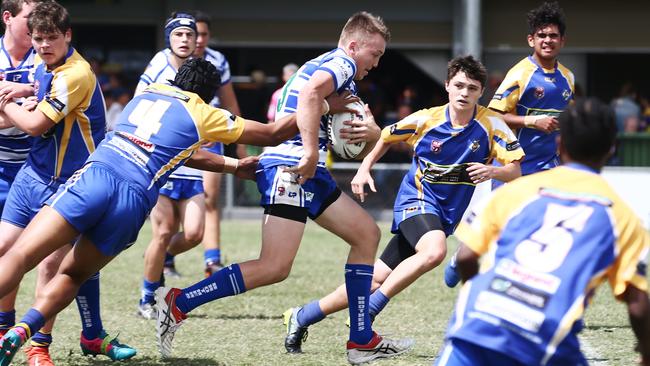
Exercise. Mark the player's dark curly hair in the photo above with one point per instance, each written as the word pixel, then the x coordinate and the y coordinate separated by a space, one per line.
pixel 198 76
pixel 472 67
pixel 588 131
pixel 549 13
pixel 48 17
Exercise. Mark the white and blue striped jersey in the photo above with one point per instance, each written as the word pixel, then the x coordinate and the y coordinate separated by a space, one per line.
pixel 160 70
pixel 219 61
pixel 14 143
pixel 342 68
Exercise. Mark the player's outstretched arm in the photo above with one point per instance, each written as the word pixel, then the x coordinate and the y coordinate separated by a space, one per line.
pixel 271 134
pixel 638 307
pixel 466 262
pixel 242 168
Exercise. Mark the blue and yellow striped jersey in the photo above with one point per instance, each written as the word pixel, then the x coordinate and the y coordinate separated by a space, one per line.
pixel 70 96
pixel 14 143
pixel 159 130
pixel 548 241
pixel 442 152
pixel 529 89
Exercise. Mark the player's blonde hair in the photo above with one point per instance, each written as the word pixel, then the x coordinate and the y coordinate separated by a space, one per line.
pixel 364 24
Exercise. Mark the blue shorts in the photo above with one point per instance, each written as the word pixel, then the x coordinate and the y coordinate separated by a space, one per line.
pixel 7 176
pixel 419 208
pixel 26 197
pixel 106 208
pixel 457 352
pixel 279 187
pixel 217 148
pixel 182 189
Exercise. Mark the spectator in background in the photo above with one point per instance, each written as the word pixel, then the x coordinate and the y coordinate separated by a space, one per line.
pixel 287 71
pixel 102 78
pixel 626 108
pixel 116 100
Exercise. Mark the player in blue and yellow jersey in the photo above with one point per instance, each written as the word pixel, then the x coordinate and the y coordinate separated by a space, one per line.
pixel 16 66
pixel 547 241
pixel 181 200
pixel 532 95
pixel 453 146
pixel 289 196
pixel 537 89
pixel 158 131
pixel 67 124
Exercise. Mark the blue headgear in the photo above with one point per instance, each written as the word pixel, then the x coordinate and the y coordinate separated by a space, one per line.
pixel 179 20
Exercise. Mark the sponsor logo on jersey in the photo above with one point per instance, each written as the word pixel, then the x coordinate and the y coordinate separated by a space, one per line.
pixel 539 92
pixel 145 145
pixel 513 146
pixel 518 292
pixel 281 191
pixel 549 79
pixel 474 145
pixel 309 196
pixel 57 104
pixel 566 94
pixel 497 97
pixel 436 146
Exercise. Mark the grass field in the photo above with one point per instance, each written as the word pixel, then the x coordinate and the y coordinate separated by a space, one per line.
pixel 247 329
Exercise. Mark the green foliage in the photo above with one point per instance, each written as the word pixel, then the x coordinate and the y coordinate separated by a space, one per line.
pixel 248 330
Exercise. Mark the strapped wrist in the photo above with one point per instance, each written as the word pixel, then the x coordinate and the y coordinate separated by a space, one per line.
pixel 230 165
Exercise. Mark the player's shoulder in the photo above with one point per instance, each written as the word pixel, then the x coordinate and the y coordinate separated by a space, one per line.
pixel 159 61
pixel 77 68
pixel 568 74
pixel 214 56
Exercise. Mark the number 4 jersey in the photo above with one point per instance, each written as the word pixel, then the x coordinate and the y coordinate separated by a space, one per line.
pixel 159 130
pixel 549 240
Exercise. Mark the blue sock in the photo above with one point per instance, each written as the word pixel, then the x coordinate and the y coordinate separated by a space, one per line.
pixel 32 322
pixel 377 302
pixel 169 260
pixel 148 291
pixel 41 339
pixel 226 282
pixel 88 305
pixel 310 314
pixel 212 255
pixel 7 319
pixel 358 278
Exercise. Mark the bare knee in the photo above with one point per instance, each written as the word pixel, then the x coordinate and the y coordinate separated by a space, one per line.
pixel 193 237
pixel 433 257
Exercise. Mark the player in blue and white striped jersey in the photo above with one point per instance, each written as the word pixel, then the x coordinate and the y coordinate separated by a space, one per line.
pixel 16 64
pixel 288 202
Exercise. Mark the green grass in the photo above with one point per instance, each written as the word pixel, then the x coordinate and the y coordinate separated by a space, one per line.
pixel 247 329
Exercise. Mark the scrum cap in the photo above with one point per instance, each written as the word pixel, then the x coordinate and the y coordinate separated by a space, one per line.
pixel 179 20
pixel 198 76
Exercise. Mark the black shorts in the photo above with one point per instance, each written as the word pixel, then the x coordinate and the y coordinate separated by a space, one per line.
pixel 402 245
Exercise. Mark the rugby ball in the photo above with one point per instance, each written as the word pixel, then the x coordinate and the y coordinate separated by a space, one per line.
pixel 339 146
